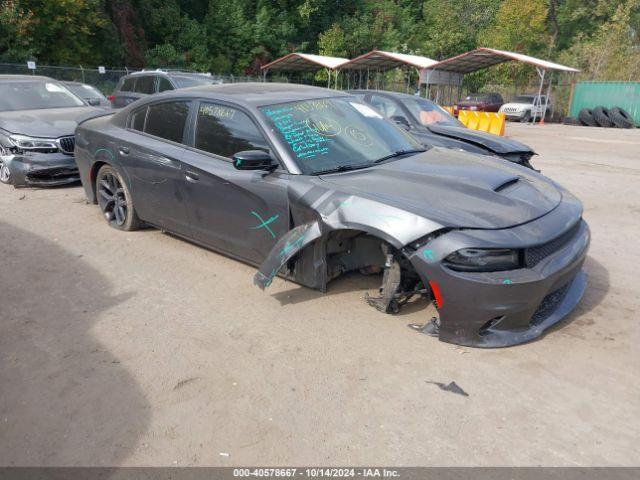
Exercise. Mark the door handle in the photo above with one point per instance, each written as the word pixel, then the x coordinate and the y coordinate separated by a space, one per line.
pixel 191 176
pixel 124 150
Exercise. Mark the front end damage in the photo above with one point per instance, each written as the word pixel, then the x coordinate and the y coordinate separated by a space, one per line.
pixel 37 169
pixel 479 309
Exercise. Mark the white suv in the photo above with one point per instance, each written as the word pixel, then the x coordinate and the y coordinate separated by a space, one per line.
pixel 523 107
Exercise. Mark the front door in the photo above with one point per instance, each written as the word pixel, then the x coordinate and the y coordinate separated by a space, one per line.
pixel 241 212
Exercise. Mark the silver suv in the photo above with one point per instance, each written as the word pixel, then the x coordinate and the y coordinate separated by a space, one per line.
pixel 146 82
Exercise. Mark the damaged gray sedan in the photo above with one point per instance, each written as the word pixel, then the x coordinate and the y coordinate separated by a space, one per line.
pixel 38 116
pixel 311 183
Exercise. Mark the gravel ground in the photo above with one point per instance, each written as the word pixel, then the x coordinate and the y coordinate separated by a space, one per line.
pixel 142 349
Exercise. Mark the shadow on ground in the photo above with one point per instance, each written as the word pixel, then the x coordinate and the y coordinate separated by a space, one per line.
pixel 63 395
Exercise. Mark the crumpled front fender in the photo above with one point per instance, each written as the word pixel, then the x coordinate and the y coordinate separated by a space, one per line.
pixel 340 212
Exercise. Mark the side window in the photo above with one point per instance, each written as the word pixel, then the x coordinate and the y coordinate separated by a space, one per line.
pixel 128 84
pixel 164 84
pixel 137 119
pixel 167 120
pixel 223 131
pixel 386 106
pixel 145 84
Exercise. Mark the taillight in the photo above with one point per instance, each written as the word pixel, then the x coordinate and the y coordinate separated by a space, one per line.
pixel 111 98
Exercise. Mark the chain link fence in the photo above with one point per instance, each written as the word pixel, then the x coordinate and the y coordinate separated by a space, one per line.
pixel 106 82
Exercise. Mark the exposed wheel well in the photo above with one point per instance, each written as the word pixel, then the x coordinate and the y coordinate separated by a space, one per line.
pixel 93 174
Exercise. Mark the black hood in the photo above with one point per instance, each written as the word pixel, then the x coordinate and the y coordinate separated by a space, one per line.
pixel 455 189
pixel 47 123
pixel 499 145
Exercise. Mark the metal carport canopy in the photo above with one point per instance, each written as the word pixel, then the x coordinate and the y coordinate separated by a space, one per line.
pixel 381 60
pixel 487 57
pixel 304 62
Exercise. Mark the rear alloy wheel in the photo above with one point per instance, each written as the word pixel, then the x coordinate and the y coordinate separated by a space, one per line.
pixel 115 201
pixel 5 173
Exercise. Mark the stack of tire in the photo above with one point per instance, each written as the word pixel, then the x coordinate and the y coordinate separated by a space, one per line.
pixel 605 117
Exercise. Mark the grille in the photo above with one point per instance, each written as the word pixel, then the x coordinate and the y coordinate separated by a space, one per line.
pixel 548 305
pixel 533 255
pixel 67 144
pixel 52 174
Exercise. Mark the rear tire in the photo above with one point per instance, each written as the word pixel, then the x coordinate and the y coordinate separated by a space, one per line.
pixel 601 116
pixel 114 200
pixel 621 118
pixel 586 117
pixel 5 174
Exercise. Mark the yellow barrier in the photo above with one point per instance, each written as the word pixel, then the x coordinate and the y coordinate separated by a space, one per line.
pixel 485 121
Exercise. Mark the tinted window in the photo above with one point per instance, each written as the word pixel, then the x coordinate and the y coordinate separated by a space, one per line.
pixel 146 84
pixel 137 119
pixel 428 113
pixel 224 131
pixel 167 120
pixel 30 95
pixel 164 84
pixel 127 85
pixel 184 81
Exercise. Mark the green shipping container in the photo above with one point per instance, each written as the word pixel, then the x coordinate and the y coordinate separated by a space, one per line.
pixel 607 94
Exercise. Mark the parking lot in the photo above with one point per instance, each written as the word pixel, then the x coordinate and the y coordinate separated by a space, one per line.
pixel 143 349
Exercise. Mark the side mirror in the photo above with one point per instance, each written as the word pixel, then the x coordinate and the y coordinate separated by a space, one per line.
pixel 94 102
pixel 401 121
pixel 254 160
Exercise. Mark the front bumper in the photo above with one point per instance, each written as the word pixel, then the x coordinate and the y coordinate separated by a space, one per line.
pixel 514 115
pixel 499 309
pixel 42 169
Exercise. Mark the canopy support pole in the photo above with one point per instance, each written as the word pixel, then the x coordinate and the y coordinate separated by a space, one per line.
pixel 536 102
pixel 546 99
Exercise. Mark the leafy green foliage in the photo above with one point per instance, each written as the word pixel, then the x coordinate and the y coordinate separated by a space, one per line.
pixel 601 37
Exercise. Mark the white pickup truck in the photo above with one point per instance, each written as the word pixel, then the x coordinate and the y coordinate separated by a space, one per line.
pixel 523 107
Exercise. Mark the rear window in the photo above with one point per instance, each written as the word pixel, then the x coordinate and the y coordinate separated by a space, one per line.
pixel 185 81
pixel 146 84
pixel 164 84
pixel 167 120
pixel 137 119
pixel 128 84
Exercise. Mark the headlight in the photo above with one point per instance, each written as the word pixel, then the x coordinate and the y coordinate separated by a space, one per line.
pixel 24 142
pixel 484 260
pixel 473 108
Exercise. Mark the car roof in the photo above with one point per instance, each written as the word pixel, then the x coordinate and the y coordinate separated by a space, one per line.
pixel 25 78
pixel 256 94
pixel 168 73
pixel 388 93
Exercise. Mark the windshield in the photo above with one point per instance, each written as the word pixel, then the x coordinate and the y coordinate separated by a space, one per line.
pixel 477 97
pixel 327 134
pixel 85 91
pixel 523 99
pixel 184 81
pixel 33 95
pixel 428 113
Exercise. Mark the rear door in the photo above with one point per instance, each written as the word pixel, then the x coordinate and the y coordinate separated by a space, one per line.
pixel 243 213
pixel 152 153
pixel 124 94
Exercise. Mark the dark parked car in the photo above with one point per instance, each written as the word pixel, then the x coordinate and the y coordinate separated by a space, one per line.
pixel 311 183
pixel 140 84
pixel 38 117
pixel 431 125
pixel 480 102
pixel 88 93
